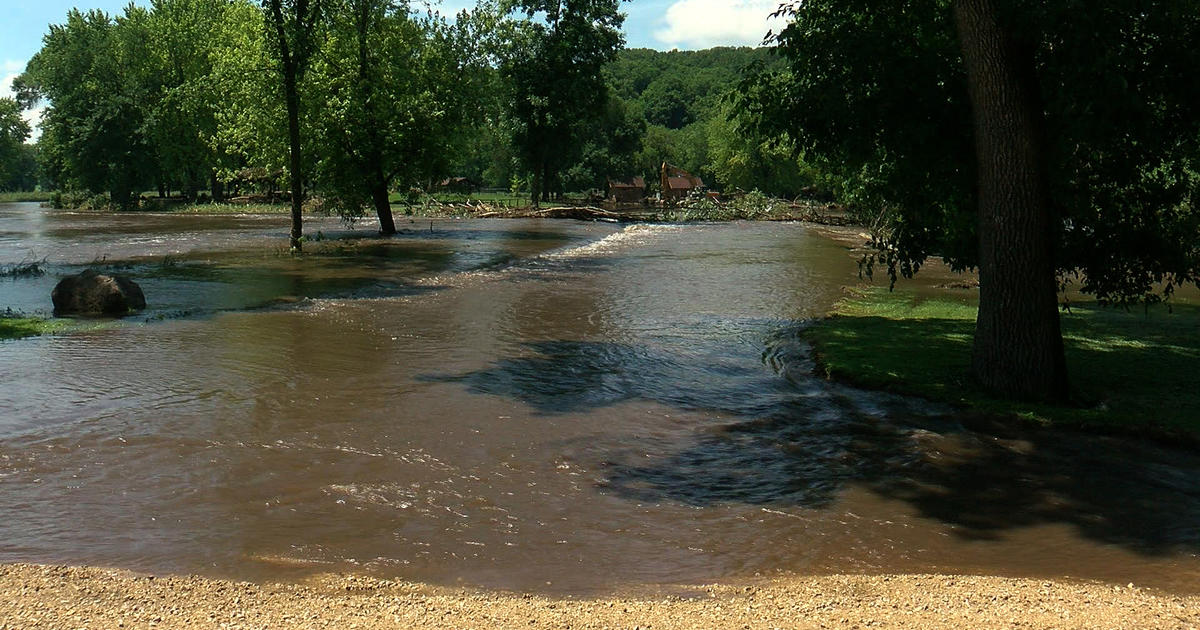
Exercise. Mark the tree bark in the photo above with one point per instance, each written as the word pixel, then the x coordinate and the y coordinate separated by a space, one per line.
pixel 1018 348
pixel 383 206
pixel 292 97
pixel 377 182
pixel 217 187
pixel 295 161
pixel 535 185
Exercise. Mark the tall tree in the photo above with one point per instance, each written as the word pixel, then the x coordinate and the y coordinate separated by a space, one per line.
pixel 251 117
pixel 396 89
pixel 293 25
pixel 182 120
pixel 14 130
pixel 552 62
pixel 1018 347
pixel 1026 139
pixel 738 157
pixel 609 151
pixel 92 72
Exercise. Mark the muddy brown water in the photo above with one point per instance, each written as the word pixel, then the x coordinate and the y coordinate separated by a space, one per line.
pixel 522 404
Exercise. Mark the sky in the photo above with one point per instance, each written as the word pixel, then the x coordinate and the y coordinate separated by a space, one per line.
pixel 658 24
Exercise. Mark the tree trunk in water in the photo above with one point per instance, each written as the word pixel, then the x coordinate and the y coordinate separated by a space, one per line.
pixel 120 193
pixel 297 177
pixel 376 181
pixel 535 185
pixel 291 72
pixel 217 187
pixel 1018 343
pixel 383 206
pixel 190 188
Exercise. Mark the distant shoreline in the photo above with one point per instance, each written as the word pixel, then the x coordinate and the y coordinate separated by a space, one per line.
pixel 507 208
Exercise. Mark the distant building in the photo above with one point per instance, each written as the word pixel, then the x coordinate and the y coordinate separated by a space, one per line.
pixel 627 191
pixel 677 183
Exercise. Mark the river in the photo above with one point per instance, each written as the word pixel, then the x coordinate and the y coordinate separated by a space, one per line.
pixel 520 404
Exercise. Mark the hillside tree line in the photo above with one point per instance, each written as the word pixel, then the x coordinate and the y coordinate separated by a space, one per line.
pixel 355 100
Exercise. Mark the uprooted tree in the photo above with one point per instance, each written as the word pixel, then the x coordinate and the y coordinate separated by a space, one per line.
pixel 1040 142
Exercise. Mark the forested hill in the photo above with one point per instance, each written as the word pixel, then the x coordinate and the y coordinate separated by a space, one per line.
pixel 679 87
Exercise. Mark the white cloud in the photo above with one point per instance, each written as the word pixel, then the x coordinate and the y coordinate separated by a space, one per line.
pixel 9 70
pixel 707 23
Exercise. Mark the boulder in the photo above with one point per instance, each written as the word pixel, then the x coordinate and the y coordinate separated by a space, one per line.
pixel 95 293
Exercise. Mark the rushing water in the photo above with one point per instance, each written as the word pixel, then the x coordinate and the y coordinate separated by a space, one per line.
pixel 520 404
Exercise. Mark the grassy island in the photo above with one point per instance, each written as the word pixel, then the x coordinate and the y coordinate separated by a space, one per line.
pixel 17 327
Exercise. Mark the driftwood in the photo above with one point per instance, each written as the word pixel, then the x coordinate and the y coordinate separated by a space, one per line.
pixel 580 212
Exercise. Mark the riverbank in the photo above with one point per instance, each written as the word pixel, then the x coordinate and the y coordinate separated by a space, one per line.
pixel 1131 371
pixel 68 597
pixel 749 206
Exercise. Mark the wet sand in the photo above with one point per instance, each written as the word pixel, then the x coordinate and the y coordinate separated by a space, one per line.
pixel 72 597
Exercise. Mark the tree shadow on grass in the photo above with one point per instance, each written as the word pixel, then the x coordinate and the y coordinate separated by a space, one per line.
pixel 785 438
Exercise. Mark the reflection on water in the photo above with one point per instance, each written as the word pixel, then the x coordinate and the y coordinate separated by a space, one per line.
pixel 550 405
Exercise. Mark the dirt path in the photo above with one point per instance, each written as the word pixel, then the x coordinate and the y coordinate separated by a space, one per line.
pixel 66 597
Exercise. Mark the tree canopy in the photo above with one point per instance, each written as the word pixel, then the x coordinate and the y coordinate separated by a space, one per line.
pixel 877 93
pixel 395 90
pixel 14 155
pixel 551 63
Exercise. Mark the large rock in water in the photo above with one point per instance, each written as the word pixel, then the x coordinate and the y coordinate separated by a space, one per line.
pixel 95 293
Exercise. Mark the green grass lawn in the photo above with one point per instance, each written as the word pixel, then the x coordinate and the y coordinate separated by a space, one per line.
pixel 1129 370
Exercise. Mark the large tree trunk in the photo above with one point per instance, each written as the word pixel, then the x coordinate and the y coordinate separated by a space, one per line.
pixel 191 189
pixel 295 163
pixel 535 185
pixel 217 187
pixel 376 181
pixel 1018 343
pixel 291 72
pixel 383 206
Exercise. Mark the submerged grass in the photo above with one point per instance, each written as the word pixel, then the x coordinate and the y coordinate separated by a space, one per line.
pixel 1130 371
pixel 18 327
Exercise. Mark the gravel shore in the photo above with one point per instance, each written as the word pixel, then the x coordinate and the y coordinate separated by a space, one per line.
pixel 74 597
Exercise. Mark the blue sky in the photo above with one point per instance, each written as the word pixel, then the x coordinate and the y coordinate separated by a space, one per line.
pixel 659 24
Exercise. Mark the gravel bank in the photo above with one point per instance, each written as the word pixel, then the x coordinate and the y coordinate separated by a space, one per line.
pixel 71 597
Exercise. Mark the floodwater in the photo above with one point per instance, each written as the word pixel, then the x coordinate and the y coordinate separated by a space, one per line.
pixel 522 404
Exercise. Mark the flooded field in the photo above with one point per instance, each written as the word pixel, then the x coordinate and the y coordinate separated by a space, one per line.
pixel 525 404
